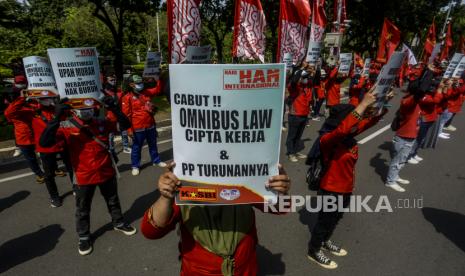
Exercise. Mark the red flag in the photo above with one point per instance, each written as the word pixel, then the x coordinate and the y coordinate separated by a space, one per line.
pixel 462 45
pixel 183 27
pixel 319 20
pixel 430 42
pixel 343 14
pixel 249 30
pixel 447 44
pixel 388 42
pixel 358 61
pixel 294 16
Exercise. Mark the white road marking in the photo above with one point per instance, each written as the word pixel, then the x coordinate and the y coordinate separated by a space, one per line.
pixel 10 178
pixel 16 177
pixel 373 135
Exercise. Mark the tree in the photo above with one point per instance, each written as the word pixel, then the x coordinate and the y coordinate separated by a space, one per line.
pixel 113 13
pixel 217 21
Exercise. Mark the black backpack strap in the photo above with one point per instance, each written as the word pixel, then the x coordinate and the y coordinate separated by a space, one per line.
pixel 91 135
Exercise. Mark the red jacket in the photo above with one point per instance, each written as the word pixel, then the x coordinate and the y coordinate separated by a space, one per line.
pixel 320 90
pixel 21 114
pixel 333 88
pixel 454 99
pixel 355 92
pixel 197 261
pixel 90 161
pixel 39 125
pixel 139 108
pixel 428 107
pixel 409 114
pixel 301 97
pixel 341 160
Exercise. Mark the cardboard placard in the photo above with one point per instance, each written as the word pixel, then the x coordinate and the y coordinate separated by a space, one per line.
pixel 152 65
pixel 198 54
pixel 220 115
pixel 459 69
pixel 346 63
pixel 39 76
pixel 366 67
pixel 77 73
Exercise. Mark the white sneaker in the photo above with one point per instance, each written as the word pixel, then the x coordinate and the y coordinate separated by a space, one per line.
pixel 412 161
pixel 395 187
pixel 293 158
pixel 127 150
pixel 418 158
pixel 403 181
pixel 17 152
pixel 443 136
pixel 135 171
pixel 160 164
pixel 301 156
pixel 450 128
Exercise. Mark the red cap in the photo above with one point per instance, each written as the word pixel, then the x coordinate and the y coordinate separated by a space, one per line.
pixel 20 79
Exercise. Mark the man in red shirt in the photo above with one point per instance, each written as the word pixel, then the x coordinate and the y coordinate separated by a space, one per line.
pixel 86 139
pixel 215 240
pixel 407 128
pixel 300 97
pixel 138 107
pixel 454 98
pixel 20 112
pixel 319 93
pixel 340 153
pixel 428 115
pixel 44 114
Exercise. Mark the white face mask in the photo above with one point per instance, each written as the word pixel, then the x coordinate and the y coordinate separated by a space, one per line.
pixel 84 114
pixel 304 81
pixel 20 86
pixel 139 87
pixel 47 102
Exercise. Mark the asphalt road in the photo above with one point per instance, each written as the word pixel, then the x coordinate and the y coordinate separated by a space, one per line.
pixel 38 240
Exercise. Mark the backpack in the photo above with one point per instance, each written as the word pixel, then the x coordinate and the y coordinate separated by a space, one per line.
pixel 317 166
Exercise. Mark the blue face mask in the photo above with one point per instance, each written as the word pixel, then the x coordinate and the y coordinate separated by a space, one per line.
pixel 139 87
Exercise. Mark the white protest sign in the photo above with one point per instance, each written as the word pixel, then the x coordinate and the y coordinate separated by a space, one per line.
pixel 288 60
pixel 459 69
pixel 39 74
pixel 366 67
pixel 226 123
pixel 152 65
pixel 346 62
pixel 77 72
pixel 386 78
pixel 198 54
pixel 454 62
pixel 314 50
pixel 436 50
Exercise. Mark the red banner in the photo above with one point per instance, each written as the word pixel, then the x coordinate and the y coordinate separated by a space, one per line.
pixel 183 27
pixel 319 20
pixel 447 44
pixel 430 42
pixel 343 14
pixel 249 30
pixel 294 16
pixel 388 42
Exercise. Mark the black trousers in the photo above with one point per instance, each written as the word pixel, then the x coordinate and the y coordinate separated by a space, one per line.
pixel 327 221
pixel 84 195
pixel 296 127
pixel 49 163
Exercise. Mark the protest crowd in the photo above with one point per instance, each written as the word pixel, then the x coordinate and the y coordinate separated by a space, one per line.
pixel 74 112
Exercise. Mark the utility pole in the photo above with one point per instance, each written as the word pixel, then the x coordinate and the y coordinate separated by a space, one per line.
pixel 158 35
pixel 449 8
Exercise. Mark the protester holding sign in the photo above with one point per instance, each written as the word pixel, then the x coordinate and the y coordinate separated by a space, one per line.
pixel 340 153
pixel 215 240
pixel 300 97
pixel 319 93
pixel 20 112
pixel 138 107
pixel 333 87
pixel 406 126
pixel 45 113
pixel 86 140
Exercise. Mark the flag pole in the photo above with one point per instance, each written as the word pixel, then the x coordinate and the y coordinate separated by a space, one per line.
pixel 158 34
pixel 447 19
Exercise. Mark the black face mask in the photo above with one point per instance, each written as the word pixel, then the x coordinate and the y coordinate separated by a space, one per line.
pixel 109 86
